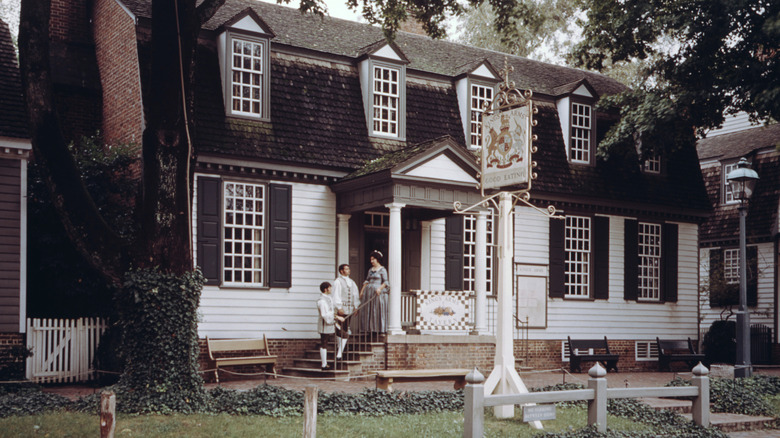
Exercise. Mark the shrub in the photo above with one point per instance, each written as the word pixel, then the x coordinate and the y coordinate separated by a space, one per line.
pixel 720 342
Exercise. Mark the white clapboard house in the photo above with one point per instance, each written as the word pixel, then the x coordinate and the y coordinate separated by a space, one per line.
pixel 319 141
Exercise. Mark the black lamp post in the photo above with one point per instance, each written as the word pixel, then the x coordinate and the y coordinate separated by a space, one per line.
pixel 742 180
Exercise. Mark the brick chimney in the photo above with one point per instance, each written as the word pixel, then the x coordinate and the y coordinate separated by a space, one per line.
pixel 411 25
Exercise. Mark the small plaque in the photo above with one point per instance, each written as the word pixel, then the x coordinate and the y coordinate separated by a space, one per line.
pixel 538 413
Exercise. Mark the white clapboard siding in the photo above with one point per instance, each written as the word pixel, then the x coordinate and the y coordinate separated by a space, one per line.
pixel 282 313
pixel 437 254
pixel 614 318
pixel 761 314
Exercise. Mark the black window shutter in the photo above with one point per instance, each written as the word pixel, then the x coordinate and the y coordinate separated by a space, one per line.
pixel 669 261
pixel 453 253
pixel 209 223
pixel 752 275
pixel 557 258
pixel 601 257
pixel 631 259
pixel 279 235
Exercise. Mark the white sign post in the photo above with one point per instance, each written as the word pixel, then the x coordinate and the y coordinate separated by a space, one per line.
pixel 506 163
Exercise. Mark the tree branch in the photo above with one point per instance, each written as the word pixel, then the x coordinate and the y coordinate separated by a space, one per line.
pixel 207 9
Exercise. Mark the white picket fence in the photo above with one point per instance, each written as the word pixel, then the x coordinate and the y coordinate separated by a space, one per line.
pixel 63 349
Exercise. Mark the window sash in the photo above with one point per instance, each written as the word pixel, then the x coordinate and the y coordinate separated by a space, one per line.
pixel 480 95
pixel 653 165
pixel 578 257
pixel 470 253
pixel 246 77
pixel 728 196
pixel 731 266
pixel 386 100
pixel 243 234
pixel 649 255
pixel 581 126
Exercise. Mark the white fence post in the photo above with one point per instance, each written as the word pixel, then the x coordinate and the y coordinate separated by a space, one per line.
pixel 473 405
pixel 597 408
pixel 701 404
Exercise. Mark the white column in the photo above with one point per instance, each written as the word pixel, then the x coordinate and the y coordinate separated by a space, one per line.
pixel 504 378
pixel 342 249
pixel 480 275
pixel 425 254
pixel 394 270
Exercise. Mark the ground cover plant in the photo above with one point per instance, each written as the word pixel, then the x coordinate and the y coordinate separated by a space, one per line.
pixel 27 411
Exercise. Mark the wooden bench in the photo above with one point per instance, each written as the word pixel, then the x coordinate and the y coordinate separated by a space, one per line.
pixel 594 350
pixel 244 352
pixel 385 379
pixel 677 351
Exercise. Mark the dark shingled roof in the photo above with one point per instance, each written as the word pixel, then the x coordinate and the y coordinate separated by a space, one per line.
pixel 13 115
pixel 348 38
pixel 740 143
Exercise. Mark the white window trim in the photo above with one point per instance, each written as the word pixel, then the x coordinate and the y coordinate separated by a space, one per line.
pixel 262 269
pixel 652 165
pixel 583 246
pixel 476 112
pixel 649 251
pixel 226 60
pixel 588 128
pixel 367 84
pixel 728 197
pixel 731 265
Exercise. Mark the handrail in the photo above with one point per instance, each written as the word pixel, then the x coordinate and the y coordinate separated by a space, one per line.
pixel 359 341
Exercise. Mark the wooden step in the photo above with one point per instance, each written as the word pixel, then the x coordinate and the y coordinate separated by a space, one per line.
pixel 317 363
pixel 737 422
pixel 342 375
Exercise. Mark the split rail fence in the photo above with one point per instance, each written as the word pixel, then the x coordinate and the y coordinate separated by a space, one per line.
pixel 475 400
pixel 63 349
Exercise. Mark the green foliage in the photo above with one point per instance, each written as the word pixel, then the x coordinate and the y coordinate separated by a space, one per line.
pixel 60 282
pixel 705 59
pixel 30 401
pixel 720 342
pixel 158 320
pixel 545 32
pixel 741 396
pixel 12 365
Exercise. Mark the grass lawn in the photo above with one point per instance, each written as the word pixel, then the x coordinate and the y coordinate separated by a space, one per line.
pixel 447 424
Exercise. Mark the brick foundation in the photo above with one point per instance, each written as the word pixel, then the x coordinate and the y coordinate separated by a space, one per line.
pixel 447 351
pixel 8 343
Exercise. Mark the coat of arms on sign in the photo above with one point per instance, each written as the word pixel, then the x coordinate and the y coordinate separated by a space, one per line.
pixel 505 145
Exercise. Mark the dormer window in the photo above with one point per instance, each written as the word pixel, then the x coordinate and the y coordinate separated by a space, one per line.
pixel 581 133
pixel 577 116
pixel 244 57
pixel 247 78
pixel 481 95
pixel 386 100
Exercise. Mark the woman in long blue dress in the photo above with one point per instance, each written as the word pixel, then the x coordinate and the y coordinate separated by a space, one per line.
pixel 374 317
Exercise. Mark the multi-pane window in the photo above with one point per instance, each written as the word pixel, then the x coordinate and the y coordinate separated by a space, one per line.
pixel 649 246
pixel 386 100
pixel 244 228
pixel 470 253
pixel 581 126
pixel 480 96
pixel 653 165
pixel 578 255
pixel 728 196
pixel 247 80
pixel 731 266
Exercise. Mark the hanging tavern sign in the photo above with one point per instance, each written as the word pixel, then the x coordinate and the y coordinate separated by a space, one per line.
pixel 507 139
pixel 505 152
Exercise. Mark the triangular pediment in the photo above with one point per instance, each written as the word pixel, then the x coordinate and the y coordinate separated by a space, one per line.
pixel 248 21
pixel 385 50
pixel 444 161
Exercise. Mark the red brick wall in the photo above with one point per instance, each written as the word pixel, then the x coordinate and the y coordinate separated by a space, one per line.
pixel 116 50
pixel 70 21
pixel 7 342
pixel 436 355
